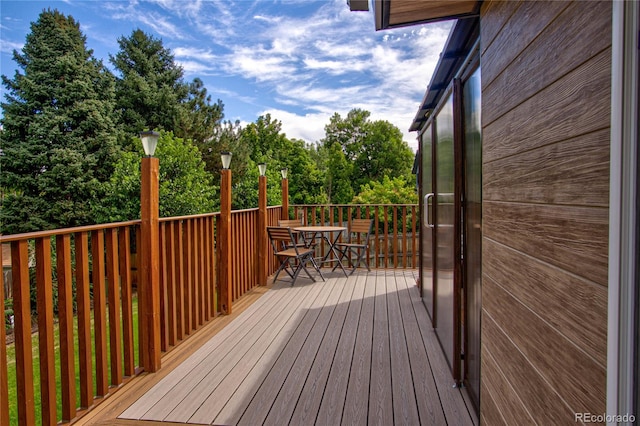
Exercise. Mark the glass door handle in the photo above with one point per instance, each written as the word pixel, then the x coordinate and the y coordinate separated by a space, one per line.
pixel 426 209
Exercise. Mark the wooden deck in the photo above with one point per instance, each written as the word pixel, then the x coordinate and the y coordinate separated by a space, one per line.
pixel 345 351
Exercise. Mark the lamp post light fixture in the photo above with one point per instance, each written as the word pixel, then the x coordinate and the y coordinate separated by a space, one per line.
pixel 284 172
pixel 262 168
pixel 149 142
pixel 225 156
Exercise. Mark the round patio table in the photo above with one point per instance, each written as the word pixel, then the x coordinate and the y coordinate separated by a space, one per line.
pixel 327 234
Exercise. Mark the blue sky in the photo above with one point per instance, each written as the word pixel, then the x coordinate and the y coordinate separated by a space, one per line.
pixel 299 60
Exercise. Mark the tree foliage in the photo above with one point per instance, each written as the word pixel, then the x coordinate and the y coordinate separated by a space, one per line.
pixel 150 88
pixel 374 149
pixel 388 191
pixel 59 129
pixel 185 187
pixel 67 118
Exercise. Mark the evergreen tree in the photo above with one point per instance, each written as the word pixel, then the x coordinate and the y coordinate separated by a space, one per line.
pixel 199 119
pixel 59 135
pixel 150 90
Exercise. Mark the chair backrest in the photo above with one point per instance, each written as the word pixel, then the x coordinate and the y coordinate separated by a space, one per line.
pixel 290 223
pixel 280 237
pixel 360 230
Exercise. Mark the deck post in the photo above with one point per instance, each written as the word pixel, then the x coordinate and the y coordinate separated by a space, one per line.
pixel 285 195
pixel 150 266
pixel 224 240
pixel 262 231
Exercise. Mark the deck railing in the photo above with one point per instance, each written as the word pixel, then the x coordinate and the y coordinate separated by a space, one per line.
pixel 394 241
pixel 84 283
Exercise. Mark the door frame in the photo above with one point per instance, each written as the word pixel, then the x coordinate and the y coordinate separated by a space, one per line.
pixel 624 253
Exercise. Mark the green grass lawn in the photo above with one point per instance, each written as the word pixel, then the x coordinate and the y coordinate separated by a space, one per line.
pixel 11 363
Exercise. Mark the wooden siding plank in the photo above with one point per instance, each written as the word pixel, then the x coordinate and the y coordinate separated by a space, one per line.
pixel 575 171
pixel 513 37
pixel 572 238
pixel 539 398
pixel 574 307
pixel 558 112
pixel 577 35
pixel 495 14
pixel 490 414
pixel 503 393
pixel 573 374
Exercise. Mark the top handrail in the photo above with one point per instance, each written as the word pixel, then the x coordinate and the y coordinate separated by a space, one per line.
pixel 62 231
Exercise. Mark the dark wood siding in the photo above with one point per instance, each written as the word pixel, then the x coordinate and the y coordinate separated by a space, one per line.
pixel 546 71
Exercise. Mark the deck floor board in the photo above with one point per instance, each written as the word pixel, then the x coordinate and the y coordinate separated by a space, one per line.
pixel 350 351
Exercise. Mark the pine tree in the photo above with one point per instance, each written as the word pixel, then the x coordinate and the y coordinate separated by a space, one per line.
pixel 150 90
pixel 59 135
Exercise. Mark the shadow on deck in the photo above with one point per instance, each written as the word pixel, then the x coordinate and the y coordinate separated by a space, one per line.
pixel 345 351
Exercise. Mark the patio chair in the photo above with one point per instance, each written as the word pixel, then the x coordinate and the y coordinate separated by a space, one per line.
pixel 355 248
pixel 292 258
pixel 300 240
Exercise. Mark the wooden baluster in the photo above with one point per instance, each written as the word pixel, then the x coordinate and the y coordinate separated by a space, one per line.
pixel 414 251
pixel 206 259
pixel 99 312
pixel 195 273
pixel 386 237
pixel 84 319
pixel 404 236
pixel 179 248
pixel 4 382
pixel 188 279
pixel 124 238
pixel 44 298
pixel 65 318
pixel 22 332
pixel 394 233
pixel 113 279
pixel 214 270
pixel 164 330
pixel 171 283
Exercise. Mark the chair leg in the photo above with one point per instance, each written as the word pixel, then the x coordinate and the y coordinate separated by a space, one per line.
pixel 316 267
pixel 343 253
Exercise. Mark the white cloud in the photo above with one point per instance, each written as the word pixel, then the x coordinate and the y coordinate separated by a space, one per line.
pixel 308 127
